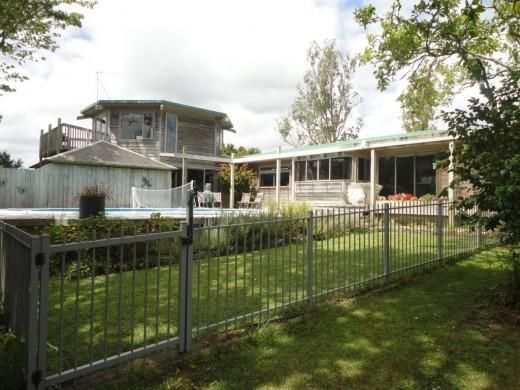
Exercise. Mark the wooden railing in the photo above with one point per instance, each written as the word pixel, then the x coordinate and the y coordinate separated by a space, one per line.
pixel 66 137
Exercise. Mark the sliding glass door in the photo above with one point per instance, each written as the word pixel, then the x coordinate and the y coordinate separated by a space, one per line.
pixel 407 174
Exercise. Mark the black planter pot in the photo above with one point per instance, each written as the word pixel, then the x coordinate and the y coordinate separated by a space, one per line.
pixel 91 205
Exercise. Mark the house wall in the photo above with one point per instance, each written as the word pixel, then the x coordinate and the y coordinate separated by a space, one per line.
pixel 196 136
pixel 150 148
pixel 59 185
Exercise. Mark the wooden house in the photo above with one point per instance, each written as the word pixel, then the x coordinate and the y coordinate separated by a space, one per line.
pixel 188 138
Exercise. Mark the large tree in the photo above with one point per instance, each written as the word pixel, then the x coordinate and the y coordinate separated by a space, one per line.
pixel 325 100
pixel 28 28
pixel 441 46
pixel 7 162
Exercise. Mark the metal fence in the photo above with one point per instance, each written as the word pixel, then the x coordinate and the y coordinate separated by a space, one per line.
pixel 84 306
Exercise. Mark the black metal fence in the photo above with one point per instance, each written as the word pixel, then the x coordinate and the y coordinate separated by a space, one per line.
pixel 84 306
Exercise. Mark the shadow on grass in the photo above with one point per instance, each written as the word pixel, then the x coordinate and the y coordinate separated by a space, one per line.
pixel 418 336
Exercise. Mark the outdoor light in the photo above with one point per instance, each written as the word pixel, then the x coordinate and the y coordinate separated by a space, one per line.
pixel 434 165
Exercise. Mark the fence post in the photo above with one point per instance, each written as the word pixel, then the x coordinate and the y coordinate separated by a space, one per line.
pixel 44 301
pixel 310 256
pixel 386 242
pixel 478 231
pixel 440 232
pixel 185 276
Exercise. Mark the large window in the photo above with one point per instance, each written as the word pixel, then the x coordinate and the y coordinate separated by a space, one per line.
pixel 268 176
pixel 137 125
pixel 363 169
pixel 408 174
pixel 312 170
pixel 340 168
pixel 219 141
pixel 336 168
pixel 170 133
pixel 300 170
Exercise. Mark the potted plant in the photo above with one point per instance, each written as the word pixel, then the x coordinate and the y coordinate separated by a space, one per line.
pixel 92 200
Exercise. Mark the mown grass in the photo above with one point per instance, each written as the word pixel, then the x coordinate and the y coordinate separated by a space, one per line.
pixel 436 332
pixel 96 318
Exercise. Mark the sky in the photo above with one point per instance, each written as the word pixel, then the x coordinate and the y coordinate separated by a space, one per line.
pixel 244 58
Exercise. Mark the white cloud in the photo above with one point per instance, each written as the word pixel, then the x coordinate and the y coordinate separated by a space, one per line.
pixel 241 57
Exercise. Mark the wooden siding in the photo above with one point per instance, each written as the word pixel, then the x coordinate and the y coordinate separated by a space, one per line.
pixel 58 185
pixel 149 148
pixel 322 193
pixel 196 136
pixel 270 193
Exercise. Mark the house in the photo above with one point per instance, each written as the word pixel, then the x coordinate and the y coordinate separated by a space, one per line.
pixel 321 174
pixel 188 138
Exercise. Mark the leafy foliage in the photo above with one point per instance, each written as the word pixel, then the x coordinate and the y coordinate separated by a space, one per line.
pixel 7 162
pixel 325 100
pixel 240 151
pixel 489 155
pixel 29 27
pixel 440 45
pixel 244 176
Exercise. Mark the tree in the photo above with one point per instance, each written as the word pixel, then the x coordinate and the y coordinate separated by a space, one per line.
pixel 30 27
pixel 245 178
pixel 325 100
pixel 441 46
pixel 7 162
pixel 240 151
pixel 489 152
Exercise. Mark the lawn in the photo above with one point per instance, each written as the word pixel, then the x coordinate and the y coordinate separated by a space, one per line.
pixel 93 318
pixel 438 331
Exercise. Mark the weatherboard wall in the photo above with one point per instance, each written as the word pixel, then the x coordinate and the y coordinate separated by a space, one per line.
pixel 59 185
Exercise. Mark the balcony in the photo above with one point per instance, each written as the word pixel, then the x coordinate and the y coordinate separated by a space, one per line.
pixel 66 137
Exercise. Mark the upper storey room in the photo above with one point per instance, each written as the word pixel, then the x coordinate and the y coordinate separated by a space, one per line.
pixel 159 129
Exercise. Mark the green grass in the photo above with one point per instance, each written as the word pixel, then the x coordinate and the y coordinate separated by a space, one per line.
pixel 133 308
pixel 436 332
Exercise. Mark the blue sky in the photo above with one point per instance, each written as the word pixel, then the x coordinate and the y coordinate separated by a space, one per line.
pixel 243 58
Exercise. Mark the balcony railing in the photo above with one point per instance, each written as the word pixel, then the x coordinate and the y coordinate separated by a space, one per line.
pixel 66 137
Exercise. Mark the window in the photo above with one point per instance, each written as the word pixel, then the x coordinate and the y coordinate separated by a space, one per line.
pixel 312 170
pixel 340 168
pixel 100 125
pixel 324 169
pixel 410 174
pixel 300 170
pixel 170 133
pixel 219 141
pixel 136 125
pixel 387 175
pixel 363 169
pixel 268 177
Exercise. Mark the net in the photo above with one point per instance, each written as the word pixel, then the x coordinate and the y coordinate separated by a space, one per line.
pixel 168 198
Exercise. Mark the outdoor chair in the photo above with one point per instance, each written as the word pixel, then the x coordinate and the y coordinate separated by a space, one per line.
pixel 217 199
pixel 200 201
pixel 257 202
pixel 245 202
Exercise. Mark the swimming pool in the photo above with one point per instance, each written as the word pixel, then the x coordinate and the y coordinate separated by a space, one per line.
pixel 63 214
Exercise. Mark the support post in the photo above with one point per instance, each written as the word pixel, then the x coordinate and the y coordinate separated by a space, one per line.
pixel 41 144
pixel 184 176
pixel 372 202
pixel 293 180
pixel 185 276
pixel 59 137
pixel 386 242
pixel 232 182
pixel 49 128
pixel 310 257
pixel 277 177
pixel 440 237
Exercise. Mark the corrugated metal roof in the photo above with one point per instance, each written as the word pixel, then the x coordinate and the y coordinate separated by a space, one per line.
pixel 358 142
pixel 103 153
